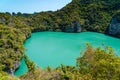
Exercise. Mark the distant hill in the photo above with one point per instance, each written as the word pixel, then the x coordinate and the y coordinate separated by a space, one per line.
pixel 90 15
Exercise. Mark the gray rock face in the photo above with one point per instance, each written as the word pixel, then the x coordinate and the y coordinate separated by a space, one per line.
pixel 114 28
pixel 69 28
pixel 74 27
pixel 2 20
pixel 11 72
pixel 16 65
pixel 77 27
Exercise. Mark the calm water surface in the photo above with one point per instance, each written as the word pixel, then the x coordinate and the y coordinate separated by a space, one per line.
pixel 56 48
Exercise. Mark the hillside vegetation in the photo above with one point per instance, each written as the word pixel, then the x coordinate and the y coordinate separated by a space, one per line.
pixel 90 15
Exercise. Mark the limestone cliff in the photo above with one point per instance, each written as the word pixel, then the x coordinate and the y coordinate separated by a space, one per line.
pixel 114 28
pixel 74 27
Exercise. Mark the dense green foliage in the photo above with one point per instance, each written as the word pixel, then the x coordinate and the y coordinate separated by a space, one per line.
pixel 100 64
pixel 5 76
pixel 11 46
pixel 30 65
pixel 93 15
pixel 13 33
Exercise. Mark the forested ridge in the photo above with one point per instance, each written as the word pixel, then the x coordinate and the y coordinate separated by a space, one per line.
pixel 77 16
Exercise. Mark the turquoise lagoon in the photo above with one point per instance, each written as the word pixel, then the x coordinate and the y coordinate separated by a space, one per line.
pixel 56 48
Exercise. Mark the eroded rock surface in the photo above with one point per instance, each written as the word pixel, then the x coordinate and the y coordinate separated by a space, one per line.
pixel 114 28
pixel 74 27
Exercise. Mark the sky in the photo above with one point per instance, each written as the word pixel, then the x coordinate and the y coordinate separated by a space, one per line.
pixel 31 6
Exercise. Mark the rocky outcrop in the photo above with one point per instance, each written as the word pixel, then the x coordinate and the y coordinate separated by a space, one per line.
pixel 69 28
pixel 74 27
pixel 16 66
pixel 114 28
pixel 77 27
pixel 2 20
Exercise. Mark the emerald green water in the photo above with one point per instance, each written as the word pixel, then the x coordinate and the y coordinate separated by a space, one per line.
pixel 56 48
